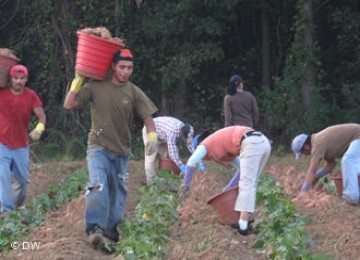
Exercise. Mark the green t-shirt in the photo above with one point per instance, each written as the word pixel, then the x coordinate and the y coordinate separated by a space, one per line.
pixel 112 112
pixel 332 142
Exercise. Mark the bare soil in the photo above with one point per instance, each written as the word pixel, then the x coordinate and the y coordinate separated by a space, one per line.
pixel 198 234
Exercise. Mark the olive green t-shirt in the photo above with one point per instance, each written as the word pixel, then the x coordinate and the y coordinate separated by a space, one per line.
pixel 333 141
pixel 112 112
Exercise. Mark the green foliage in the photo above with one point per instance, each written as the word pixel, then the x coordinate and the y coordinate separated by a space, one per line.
pixel 185 52
pixel 146 236
pixel 281 229
pixel 350 106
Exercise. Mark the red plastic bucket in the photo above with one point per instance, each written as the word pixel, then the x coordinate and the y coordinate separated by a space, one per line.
pixel 94 55
pixel 167 164
pixel 224 204
pixel 6 63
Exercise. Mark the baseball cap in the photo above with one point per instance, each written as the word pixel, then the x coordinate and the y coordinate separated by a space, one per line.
pixel 297 144
pixel 235 80
pixel 18 69
pixel 123 54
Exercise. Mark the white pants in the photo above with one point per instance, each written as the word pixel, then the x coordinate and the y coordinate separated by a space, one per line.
pixel 254 153
pixel 151 161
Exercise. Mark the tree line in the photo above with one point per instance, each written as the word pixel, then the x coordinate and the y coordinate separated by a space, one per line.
pixel 300 58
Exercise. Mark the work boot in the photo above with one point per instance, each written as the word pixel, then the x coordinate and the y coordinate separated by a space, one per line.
pixel 96 236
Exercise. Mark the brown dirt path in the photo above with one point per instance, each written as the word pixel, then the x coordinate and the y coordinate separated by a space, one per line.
pixel 62 234
pixel 335 227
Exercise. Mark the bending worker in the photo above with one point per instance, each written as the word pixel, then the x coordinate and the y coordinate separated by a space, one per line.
pixel 225 145
pixel 338 141
pixel 169 130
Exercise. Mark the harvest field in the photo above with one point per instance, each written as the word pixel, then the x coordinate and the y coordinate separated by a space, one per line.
pixel 317 225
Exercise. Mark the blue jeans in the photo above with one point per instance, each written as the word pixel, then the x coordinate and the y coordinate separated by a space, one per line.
pixel 350 164
pixel 106 192
pixel 14 177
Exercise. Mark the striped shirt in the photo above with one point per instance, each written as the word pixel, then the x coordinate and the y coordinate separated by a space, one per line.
pixel 168 131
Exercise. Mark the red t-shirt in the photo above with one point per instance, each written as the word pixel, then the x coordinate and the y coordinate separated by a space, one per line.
pixel 224 144
pixel 15 115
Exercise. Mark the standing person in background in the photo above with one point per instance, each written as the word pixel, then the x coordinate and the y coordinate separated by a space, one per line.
pixel 113 103
pixel 169 130
pixel 17 103
pixel 227 145
pixel 337 141
pixel 240 107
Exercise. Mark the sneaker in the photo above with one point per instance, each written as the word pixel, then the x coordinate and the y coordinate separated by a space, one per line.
pixel 236 225
pixel 245 232
pixel 96 236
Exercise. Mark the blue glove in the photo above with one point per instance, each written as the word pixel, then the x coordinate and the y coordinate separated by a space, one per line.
pixel 182 168
pixel 306 186
pixel 202 167
pixel 188 175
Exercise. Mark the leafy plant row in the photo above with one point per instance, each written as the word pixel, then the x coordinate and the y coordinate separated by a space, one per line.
pixel 281 228
pixel 15 225
pixel 145 237
pixel 281 236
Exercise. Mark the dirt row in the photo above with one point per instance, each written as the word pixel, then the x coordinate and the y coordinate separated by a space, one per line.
pixel 198 234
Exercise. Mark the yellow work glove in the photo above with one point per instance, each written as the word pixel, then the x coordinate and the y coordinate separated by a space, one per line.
pixel 151 144
pixel 37 132
pixel 76 84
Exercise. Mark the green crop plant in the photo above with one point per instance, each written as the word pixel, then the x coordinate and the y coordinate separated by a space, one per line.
pixel 146 236
pixel 282 233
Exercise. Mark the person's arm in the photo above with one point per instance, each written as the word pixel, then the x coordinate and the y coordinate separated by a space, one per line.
pixel 197 156
pixel 149 124
pixel 150 146
pixel 194 159
pixel 40 114
pixel 310 175
pixel 227 111
pixel 329 165
pixel 322 171
pixel 36 133
pixel 173 151
pixel 70 99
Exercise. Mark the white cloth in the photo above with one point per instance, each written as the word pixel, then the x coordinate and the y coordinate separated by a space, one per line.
pixel 254 153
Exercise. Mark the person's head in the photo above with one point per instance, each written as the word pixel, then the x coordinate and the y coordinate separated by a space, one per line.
pixel 123 66
pixel 18 78
pixel 187 133
pixel 301 144
pixel 200 137
pixel 235 81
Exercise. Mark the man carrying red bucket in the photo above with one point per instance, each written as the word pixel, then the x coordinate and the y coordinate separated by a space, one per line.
pixel 113 104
